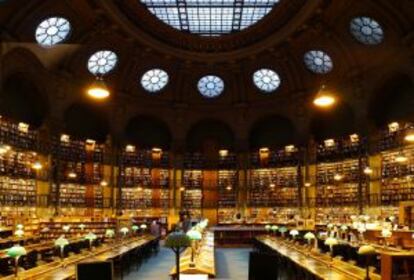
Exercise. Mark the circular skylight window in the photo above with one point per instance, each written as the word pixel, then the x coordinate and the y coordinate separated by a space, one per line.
pixel 266 80
pixel 209 18
pixel 52 31
pixel 366 30
pixel 102 62
pixel 210 86
pixel 154 80
pixel 318 62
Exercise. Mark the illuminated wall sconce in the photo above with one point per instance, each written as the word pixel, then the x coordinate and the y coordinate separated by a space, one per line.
pixel 307 184
pixel 329 143
pixel 290 148
pixel 104 183
pixel 272 185
pixel 4 149
pixel 229 188
pixel 156 154
pixel 409 135
pixel 393 127
pixel 223 153
pixel 37 165
pixel 264 155
pixel 182 189
pixel 338 177
pixel 64 138
pixel 401 158
pixel 23 127
pixel 354 138
pixel 130 148
pixel 90 145
pixel 368 170
pixel 72 175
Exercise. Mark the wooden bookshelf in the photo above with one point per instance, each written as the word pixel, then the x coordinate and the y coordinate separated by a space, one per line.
pixel 75 195
pixel 397 182
pixel 338 183
pixel 273 187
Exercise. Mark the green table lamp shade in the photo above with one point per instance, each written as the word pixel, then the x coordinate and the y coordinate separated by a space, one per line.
pixel 283 229
pixel 268 227
pixel 19 233
pixel 61 242
pixel 330 226
pixel 309 236
pixel 19 226
pixel 194 235
pixel 344 227
pixel 109 233
pixel 82 226
pixel 143 226
pixel 134 227
pixel 386 233
pixel 66 228
pixel 294 232
pixel 124 230
pixel 274 228
pixel 177 239
pixel 90 236
pixel 366 250
pixel 16 251
pixel 330 241
pixel 203 224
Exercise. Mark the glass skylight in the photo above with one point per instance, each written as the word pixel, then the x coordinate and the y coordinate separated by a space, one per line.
pixel 210 86
pixel 210 17
pixel 154 80
pixel 102 62
pixel 366 30
pixel 318 62
pixel 52 31
pixel 266 80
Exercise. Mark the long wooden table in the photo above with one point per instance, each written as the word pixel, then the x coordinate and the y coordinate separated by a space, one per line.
pixel 56 271
pixel 317 264
pixel 204 262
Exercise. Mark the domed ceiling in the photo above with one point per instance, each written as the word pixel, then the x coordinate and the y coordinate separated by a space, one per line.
pixel 210 17
pixel 184 61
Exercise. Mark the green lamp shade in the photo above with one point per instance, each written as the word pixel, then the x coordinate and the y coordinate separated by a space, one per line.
pixel 16 251
pixel 330 241
pixel 66 228
pixel 82 226
pixel 19 226
pixel 274 228
pixel 386 233
pixel 134 227
pixel 61 242
pixel 19 233
pixel 90 236
pixel 143 226
pixel 344 227
pixel 124 230
pixel 177 240
pixel 268 227
pixel 109 233
pixel 283 229
pixel 309 236
pixel 366 250
pixel 194 235
pixel 294 232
